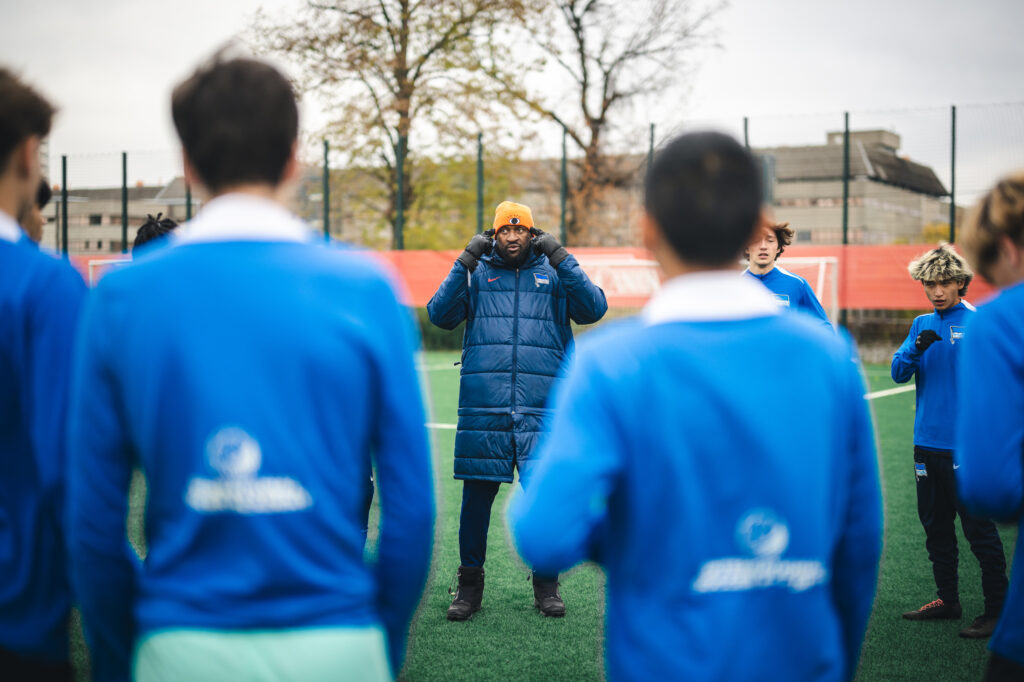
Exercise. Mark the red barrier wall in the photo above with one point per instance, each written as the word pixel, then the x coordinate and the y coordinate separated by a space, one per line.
pixel 870 277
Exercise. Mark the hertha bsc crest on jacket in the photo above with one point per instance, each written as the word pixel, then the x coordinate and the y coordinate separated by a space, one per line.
pixel 236 456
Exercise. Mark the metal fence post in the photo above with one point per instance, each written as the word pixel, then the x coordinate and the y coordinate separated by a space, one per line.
pixel 64 202
pixel 327 192
pixel 124 202
pixel 952 176
pixel 400 208
pixel 479 183
pixel 846 177
pixel 565 187
pixel 188 201
pixel 746 133
pixel 650 150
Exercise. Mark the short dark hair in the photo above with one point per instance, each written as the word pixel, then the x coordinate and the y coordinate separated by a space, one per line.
pixel 238 121
pixel 43 194
pixel 153 228
pixel 704 192
pixel 783 235
pixel 23 113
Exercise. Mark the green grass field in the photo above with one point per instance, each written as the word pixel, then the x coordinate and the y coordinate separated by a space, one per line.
pixel 509 640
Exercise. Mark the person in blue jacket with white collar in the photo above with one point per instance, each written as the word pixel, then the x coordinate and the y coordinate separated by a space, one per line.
pixel 40 300
pixel 990 404
pixel 253 373
pixel 790 290
pixel 737 545
pixel 517 289
pixel 930 354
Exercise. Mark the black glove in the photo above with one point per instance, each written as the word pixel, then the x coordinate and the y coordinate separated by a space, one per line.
pixel 925 339
pixel 546 244
pixel 477 246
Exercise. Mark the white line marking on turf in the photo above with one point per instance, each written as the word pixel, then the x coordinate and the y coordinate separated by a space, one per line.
pixel 867 396
pixel 888 391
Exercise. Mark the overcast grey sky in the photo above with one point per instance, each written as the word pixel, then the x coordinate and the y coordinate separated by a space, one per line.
pixel 792 66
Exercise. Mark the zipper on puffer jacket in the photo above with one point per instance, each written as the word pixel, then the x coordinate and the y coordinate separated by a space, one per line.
pixel 515 343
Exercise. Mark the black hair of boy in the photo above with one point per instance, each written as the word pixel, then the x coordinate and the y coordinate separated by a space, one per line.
pixel 153 228
pixel 43 195
pixel 704 192
pixel 238 122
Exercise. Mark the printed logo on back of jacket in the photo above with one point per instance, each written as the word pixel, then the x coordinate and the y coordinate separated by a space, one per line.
pixel 236 457
pixel 763 534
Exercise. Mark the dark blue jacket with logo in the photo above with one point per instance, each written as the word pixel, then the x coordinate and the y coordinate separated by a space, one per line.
pixel 517 335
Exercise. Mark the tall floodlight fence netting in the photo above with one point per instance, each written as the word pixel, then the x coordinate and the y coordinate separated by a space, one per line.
pixel 872 177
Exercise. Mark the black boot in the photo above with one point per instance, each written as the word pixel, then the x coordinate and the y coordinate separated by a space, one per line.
pixel 546 597
pixel 469 595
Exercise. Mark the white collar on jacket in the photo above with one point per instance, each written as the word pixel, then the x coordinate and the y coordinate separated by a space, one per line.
pixel 708 296
pixel 9 230
pixel 243 217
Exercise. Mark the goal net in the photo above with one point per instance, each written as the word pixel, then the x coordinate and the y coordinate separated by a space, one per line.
pixel 628 281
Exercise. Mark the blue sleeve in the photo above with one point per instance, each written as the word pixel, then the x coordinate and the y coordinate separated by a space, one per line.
pixel 907 358
pixel 990 425
pixel 813 306
pixel 859 548
pixel 404 477
pixel 587 302
pixel 54 319
pixel 100 469
pixel 556 519
pixel 450 303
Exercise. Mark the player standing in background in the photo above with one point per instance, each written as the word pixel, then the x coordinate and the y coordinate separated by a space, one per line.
pixel 40 299
pixel 518 293
pixel 251 372
pixel 736 545
pixel 153 228
pixel 930 354
pixel 31 218
pixel 990 437
pixel 790 290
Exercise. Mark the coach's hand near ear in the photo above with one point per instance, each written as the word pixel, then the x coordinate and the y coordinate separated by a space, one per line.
pixel 925 339
pixel 477 246
pixel 549 246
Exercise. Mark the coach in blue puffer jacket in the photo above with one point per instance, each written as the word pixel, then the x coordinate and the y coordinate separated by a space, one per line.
pixel 517 289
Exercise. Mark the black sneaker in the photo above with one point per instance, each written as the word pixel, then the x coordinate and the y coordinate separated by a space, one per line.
pixel 936 610
pixel 981 627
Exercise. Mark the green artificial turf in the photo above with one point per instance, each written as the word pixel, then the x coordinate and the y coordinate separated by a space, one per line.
pixel 509 640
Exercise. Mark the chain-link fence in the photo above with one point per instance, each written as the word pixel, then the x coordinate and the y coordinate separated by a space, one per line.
pixel 870 177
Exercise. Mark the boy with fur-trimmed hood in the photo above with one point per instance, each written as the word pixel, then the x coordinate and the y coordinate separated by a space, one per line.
pixel 930 354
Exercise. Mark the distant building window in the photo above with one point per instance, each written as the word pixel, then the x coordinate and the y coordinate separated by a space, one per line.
pixel 803 235
pixel 86 244
pixel 115 219
pixel 95 219
pixel 99 244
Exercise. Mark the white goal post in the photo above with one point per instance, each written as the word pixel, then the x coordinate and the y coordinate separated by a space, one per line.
pixel 624 275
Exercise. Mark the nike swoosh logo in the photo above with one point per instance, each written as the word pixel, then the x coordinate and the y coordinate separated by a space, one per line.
pixel 956 466
pixel 494 279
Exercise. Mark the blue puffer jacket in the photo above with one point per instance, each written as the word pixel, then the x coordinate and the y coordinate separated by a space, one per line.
pixel 517 334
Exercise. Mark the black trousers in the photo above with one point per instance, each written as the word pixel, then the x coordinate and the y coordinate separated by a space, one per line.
pixel 15 668
pixel 938 506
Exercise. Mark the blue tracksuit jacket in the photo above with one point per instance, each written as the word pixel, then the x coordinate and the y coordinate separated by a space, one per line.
pixel 723 513
pixel 516 339
pixel 792 291
pixel 934 373
pixel 251 378
pixel 40 298
pixel 990 439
